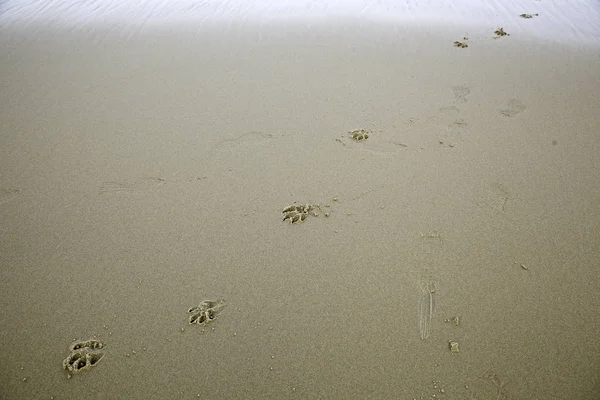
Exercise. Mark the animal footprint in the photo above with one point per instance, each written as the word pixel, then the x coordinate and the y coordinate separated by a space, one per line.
pixel 494 196
pixel 455 126
pixel 137 186
pixel 359 135
pixel 460 93
pixel 206 312
pixel 491 385
pixel 377 146
pixel 83 356
pixel 297 214
pixel 8 194
pixel 500 32
pixel 454 132
pixel 515 107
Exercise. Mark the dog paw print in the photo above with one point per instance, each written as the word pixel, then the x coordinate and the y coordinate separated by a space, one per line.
pixel 298 213
pixel 360 134
pixel 206 312
pixel 84 355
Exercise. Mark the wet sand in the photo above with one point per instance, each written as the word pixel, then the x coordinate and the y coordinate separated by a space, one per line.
pixel 143 174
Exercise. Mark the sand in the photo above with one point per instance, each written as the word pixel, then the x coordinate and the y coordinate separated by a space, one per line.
pixel 143 174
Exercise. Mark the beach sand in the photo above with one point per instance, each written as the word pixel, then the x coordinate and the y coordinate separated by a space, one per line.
pixel 144 174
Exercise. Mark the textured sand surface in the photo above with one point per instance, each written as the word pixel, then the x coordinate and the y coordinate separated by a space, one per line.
pixel 145 171
pixel 563 20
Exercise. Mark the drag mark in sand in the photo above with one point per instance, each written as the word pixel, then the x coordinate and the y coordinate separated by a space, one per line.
pixel 130 187
pixel 243 140
pixel 228 152
pixel 426 309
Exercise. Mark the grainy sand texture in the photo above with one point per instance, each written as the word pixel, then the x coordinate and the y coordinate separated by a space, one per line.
pixel 144 172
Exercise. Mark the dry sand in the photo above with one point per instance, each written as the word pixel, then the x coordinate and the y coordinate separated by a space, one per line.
pixel 143 175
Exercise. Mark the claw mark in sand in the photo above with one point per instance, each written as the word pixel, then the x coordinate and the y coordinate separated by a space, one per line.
pixel 137 186
pixel 426 309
